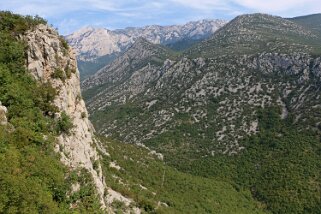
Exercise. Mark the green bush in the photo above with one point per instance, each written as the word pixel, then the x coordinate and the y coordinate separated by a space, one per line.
pixel 64 124
pixel 68 73
pixel 178 192
pixel 96 164
pixel 59 74
pixel 18 24
pixel 83 115
pixel 64 45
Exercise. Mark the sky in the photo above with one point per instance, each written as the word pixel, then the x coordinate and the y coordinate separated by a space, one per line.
pixel 71 15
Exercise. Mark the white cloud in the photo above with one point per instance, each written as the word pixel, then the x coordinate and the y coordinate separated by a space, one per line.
pixel 281 7
pixel 49 8
pixel 204 4
pixel 274 5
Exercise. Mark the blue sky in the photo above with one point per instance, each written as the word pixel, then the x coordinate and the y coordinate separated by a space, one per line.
pixel 70 15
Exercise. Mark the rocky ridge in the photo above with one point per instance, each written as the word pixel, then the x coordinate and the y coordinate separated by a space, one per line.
pixel 249 34
pixel 92 43
pixel 141 55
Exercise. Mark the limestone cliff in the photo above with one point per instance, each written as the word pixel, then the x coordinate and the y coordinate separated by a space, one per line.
pixel 49 59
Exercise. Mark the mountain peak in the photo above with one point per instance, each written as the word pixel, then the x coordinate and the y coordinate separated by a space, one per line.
pixel 83 31
pixel 141 43
pixel 142 40
pixel 92 43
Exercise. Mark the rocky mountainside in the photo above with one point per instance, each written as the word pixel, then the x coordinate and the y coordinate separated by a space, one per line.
pixel 249 34
pixel 90 43
pixel 213 98
pixel 48 160
pixel 96 47
pixel 310 21
pixel 214 92
pixel 49 61
pixel 139 63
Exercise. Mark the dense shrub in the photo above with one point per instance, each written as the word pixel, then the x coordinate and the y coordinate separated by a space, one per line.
pixel 17 24
pixel 64 124
pixel 59 74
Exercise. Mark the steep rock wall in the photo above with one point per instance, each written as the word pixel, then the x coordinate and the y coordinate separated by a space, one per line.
pixel 50 60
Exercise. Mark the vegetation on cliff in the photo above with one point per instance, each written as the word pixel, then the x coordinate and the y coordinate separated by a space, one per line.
pixel 32 178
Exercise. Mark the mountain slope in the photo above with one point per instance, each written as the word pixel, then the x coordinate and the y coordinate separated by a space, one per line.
pixel 128 74
pixel 248 34
pixel 91 43
pixel 312 22
pixel 50 160
pixel 256 73
pixel 192 87
pixel 159 188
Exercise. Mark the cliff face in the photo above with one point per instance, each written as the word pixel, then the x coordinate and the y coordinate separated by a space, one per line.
pixel 51 61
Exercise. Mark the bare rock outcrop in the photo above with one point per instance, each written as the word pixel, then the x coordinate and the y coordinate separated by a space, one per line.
pixel 3 117
pixel 51 60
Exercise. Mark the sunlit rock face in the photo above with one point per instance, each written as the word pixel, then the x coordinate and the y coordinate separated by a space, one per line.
pixel 46 55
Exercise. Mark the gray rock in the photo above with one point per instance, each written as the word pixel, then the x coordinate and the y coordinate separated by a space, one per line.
pixel 3 117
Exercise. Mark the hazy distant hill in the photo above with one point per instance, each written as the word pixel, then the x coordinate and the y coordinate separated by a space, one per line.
pixel 310 21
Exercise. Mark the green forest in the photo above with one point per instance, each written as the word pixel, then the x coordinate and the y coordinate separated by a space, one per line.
pixel 280 166
pixel 277 172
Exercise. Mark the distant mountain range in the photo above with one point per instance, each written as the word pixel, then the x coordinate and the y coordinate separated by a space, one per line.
pixel 96 47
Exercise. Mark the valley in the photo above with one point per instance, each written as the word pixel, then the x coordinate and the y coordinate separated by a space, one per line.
pixel 210 116
pixel 239 95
